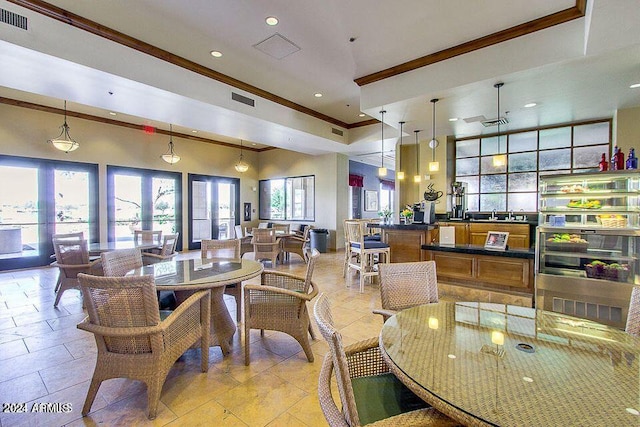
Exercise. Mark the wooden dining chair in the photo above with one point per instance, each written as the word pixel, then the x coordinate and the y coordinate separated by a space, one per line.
pixel 133 339
pixel 225 249
pixel 279 303
pixel 633 317
pixel 368 392
pixel 363 253
pixel 406 284
pixel 266 245
pixel 72 258
pixel 121 261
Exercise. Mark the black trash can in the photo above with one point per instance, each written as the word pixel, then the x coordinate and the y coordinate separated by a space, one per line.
pixel 319 239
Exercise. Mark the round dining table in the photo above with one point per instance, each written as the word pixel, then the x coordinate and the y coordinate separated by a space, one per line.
pixel 489 364
pixel 187 276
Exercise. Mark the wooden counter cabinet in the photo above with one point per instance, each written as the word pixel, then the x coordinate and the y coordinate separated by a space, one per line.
pixel 518 233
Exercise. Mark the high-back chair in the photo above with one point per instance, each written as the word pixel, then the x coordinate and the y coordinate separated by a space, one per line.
pixel 146 237
pixel 297 244
pixel 282 228
pixel 72 258
pixel 132 338
pixel 406 284
pixel 265 245
pixel 121 261
pixel 363 253
pixel 225 249
pixel 633 317
pixel 167 252
pixel 245 241
pixel 279 303
pixel 66 236
pixel 368 391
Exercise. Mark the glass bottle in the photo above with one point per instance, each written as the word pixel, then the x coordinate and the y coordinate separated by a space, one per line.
pixel 604 165
pixel 632 161
pixel 620 161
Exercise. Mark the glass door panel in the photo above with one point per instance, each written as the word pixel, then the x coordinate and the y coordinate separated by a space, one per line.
pixel 128 205
pixel 164 205
pixel 200 212
pixel 20 222
pixel 226 217
pixel 72 202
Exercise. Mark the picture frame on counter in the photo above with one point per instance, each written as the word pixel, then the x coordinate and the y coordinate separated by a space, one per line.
pixel 496 240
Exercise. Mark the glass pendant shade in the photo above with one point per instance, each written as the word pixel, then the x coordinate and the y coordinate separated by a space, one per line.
pixel 499 159
pixel 170 157
pixel 400 175
pixel 434 166
pixel 64 142
pixel 241 166
pixel 416 177
pixel 382 171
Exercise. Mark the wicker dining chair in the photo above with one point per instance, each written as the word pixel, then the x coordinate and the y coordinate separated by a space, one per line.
pixel 633 317
pixel 368 392
pixel 245 241
pixel 225 249
pixel 167 252
pixel 72 258
pixel 282 228
pixel 279 303
pixel 141 237
pixel 297 244
pixel 121 261
pixel 363 252
pixel 134 340
pixel 266 245
pixel 406 284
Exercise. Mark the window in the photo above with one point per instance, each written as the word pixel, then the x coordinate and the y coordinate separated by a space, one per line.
pixel 290 199
pixel 530 153
pixel 141 199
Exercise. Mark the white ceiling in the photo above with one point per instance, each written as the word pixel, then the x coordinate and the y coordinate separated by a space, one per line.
pixel 578 70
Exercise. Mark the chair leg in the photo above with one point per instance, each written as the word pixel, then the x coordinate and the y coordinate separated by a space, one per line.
pixel 303 340
pixel 91 395
pixel 154 387
pixel 246 343
pixel 58 296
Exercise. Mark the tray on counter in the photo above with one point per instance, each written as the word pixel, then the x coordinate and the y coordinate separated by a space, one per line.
pixel 566 246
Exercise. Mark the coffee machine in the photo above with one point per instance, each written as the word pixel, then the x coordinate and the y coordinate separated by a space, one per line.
pixel 458 199
pixel 424 212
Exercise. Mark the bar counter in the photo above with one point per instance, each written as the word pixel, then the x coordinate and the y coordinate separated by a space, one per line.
pixel 406 241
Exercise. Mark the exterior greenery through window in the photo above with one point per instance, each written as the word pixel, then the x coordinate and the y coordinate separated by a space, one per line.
pixel 141 199
pixel 571 148
pixel 291 199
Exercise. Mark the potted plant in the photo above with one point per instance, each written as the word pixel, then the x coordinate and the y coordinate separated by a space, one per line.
pixel 407 214
pixel 385 215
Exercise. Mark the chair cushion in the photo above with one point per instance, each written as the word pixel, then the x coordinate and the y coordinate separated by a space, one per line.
pixel 383 396
pixel 375 237
pixel 371 244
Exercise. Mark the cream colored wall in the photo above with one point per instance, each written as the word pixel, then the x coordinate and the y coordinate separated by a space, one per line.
pixel 24 132
pixel 627 130
pixel 329 170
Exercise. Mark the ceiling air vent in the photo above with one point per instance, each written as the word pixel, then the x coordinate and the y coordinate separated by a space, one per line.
pixel 13 19
pixel 337 132
pixel 243 99
pixel 277 46
pixel 495 122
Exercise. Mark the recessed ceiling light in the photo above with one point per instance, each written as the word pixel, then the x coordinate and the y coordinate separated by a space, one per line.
pixel 317 95
pixel 529 105
pixel 635 85
pixel 271 20
pixel 111 113
pixel 361 115
pixel 216 54
pixel 194 131
pixel 253 143
pixel 453 119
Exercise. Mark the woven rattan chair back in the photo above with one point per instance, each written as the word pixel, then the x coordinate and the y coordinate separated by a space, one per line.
pixel 169 243
pixel 68 236
pixel 119 262
pixel 126 302
pixel 324 319
pixel 633 317
pixel 284 228
pixel 266 245
pixel 408 284
pixel 238 231
pixel 220 248
pixel 145 237
pixel 71 251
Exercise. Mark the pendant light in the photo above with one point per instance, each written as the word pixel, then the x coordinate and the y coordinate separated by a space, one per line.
pixel 170 157
pixel 499 159
pixel 64 142
pixel 400 173
pixel 433 165
pixel 382 171
pixel 241 166
pixel 416 177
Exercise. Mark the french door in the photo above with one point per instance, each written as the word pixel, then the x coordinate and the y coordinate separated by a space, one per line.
pixel 40 198
pixel 214 208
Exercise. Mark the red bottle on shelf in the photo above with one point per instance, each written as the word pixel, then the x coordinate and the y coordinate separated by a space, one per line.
pixel 604 165
pixel 620 161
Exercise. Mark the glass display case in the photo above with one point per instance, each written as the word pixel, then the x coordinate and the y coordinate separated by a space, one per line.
pixel 587 244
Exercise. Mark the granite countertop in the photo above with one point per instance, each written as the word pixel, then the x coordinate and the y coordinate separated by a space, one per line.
pixel 497 221
pixel 405 226
pixel 480 250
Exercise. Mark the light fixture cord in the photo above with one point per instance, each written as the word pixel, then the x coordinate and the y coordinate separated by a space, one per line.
pixel 433 139
pixel 240 150
pixel 498 86
pixel 171 139
pixel 417 154
pixel 382 141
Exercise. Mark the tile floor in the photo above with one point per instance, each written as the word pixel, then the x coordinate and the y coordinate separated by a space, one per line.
pixel 45 358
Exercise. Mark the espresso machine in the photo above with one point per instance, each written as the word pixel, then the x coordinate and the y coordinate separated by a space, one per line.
pixel 458 199
pixel 424 212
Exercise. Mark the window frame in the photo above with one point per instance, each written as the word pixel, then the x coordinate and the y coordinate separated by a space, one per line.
pixel 288 198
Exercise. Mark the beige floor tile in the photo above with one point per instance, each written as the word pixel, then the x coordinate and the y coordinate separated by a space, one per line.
pixel 23 389
pixel 57 377
pixel 12 349
pixel 33 362
pixel 308 411
pixel 209 414
pixel 261 399
pixel 82 347
pixel 61 336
